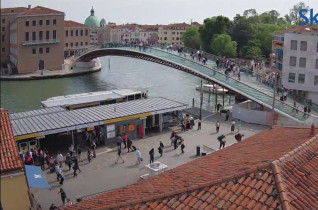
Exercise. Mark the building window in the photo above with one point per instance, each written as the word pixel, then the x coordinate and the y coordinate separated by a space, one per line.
pixel 82 32
pixel 47 50
pixel 54 34
pixel 33 51
pixel 177 32
pixel 33 23
pixel 2 38
pixel 177 38
pixel 181 33
pixel 47 35
pixel 66 33
pixel 40 35
pixel 302 62
pixel 292 61
pixel 47 22
pixel 316 64
pixel 172 38
pixel 54 22
pixel 86 43
pixel 291 77
pixel 40 50
pixel 86 33
pixel 301 78
pixel 76 32
pixel 165 38
pixel 41 22
pixel 76 44
pixel 81 43
pixel 173 32
pixel 26 36
pixel 66 44
pixel 3 29
pixel 316 80
pixel 27 23
pixel 293 44
pixel 2 49
pixel 3 20
pixel 71 44
pixel 303 46
pixel 33 35
pixel 71 32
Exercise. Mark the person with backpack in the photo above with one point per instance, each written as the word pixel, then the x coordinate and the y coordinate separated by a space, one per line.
pixel 119 140
pixel 129 144
pixel 160 148
pixel 222 142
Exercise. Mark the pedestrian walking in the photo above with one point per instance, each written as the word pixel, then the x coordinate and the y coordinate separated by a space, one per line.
pixel 294 106
pixel 239 124
pixel 89 155
pixel 217 125
pixel 222 142
pixel 71 150
pixel 63 195
pixel 175 142
pixel 182 146
pixel 138 155
pixel 75 166
pixel 42 160
pixel 160 148
pixel 152 155
pixel 57 169
pixel 119 140
pixel 239 137
pixel 129 144
pixel 119 156
pixel 232 126
pixel 125 140
pixel 61 176
pixel 199 125
pixel 227 115
pixel 79 152
pixel 60 159
pixel 305 111
pixel 218 107
pixel 68 161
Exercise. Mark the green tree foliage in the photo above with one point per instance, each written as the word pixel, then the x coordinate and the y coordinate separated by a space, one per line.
pixel 253 52
pixel 191 38
pixel 212 26
pixel 223 45
pixel 293 16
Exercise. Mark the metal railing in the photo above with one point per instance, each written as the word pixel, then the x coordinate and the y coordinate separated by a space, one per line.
pixel 43 41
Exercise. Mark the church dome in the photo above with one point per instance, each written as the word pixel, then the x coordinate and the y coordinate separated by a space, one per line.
pixel 92 20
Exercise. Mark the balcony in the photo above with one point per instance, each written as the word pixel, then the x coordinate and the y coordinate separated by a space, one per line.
pixel 44 41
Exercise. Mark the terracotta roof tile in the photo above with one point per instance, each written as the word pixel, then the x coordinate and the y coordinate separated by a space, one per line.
pixel 38 10
pixel 13 10
pixel 248 175
pixel 9 156
pixel 73 24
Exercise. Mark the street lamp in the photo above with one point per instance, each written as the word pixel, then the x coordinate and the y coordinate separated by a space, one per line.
pixel 274 96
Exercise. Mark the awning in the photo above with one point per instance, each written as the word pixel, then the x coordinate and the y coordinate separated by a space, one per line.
pixel 35 177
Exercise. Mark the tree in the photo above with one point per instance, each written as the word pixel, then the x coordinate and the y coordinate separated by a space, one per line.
pixel 241 31
pixel 249 13
pixel 191 38
pixel 253 52
pixel 212 26
pixel 223 45
pixel 293 12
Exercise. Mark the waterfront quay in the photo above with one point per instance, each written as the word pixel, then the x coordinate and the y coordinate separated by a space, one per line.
pixel 102 174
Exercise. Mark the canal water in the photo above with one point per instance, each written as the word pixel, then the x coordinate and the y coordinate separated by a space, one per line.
pixel 160 81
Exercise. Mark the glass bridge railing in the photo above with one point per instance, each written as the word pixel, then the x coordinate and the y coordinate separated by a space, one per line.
pixel 222 79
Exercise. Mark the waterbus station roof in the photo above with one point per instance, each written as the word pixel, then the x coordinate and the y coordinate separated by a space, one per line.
pixel 90 97
pixel 44 121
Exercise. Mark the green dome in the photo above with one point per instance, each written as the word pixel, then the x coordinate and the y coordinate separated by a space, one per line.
pixel 92 20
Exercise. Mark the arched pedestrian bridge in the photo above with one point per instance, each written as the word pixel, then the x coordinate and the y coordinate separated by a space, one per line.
pixel 243 87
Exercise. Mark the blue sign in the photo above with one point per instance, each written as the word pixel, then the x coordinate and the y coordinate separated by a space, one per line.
pixel 35 177
pixel 313 18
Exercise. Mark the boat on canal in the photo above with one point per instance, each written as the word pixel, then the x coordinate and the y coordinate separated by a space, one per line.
pixel 212 88
pixel 90 99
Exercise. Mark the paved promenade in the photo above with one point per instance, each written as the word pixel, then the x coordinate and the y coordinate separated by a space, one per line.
pixel 102 174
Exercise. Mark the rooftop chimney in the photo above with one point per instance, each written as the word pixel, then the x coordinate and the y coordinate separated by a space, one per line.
pixel 29 6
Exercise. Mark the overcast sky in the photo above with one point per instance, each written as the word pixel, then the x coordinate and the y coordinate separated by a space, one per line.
pixel 158 11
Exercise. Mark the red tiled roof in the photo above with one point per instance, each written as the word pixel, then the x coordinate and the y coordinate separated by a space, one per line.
pixel 10 159
pixel 73 24
pixel 13 10
pixel 244 170
pixel 38 10
pixel 299 29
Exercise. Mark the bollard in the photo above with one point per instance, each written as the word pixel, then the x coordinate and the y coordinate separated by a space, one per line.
pixel 198 150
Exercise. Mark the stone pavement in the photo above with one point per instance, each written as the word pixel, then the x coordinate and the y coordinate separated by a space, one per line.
pixel 103 175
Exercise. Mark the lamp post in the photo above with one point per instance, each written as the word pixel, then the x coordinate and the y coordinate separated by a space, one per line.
pixel 274 96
